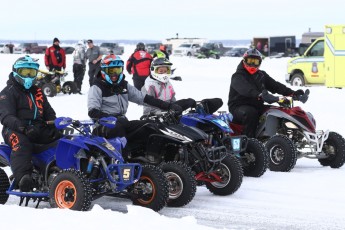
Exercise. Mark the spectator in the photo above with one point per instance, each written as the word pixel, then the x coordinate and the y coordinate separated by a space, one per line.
pixel 79 60
pixel 161 53
pixel 55 57
pixel 266 49
pixel 249 90
pixel 259 46
pixel 158 84
pixel 139 64
pixel 10 46
pixel 24 110
pixel 94 55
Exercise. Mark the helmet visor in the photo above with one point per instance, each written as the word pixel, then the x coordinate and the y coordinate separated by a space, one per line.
pixel 163 70
pixel 113 71
pixel 252 61
pixel 27 72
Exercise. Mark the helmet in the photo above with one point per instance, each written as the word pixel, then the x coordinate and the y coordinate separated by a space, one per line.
pixel 112 69
pixel 25 70
pixel 157 73
pixel 163 47
pixel 252 59
pixel 140 46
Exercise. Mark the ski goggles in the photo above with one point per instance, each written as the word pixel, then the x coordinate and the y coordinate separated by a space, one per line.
pixel 163 70
pixel 111 71
pixel 252 61
pixel 27 72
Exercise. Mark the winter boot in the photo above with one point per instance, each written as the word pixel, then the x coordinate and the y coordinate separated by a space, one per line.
pixel 26 183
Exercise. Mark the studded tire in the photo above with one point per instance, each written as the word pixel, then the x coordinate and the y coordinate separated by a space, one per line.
pixel 282 153
pixel 70 189
pixel 4 185
pixel 255 159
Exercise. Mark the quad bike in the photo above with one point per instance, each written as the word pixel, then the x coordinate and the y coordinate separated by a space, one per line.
pixel 290 133
pixel 170 141
pixel 50 83
pixel 79 168
pixel 251 152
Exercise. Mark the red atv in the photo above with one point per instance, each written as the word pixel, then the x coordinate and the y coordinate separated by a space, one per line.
pixel 290 133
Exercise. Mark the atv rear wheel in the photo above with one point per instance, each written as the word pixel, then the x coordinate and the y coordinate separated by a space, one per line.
pixel 231 174
pixel 70 189
pixel 152 190
pixel 4 185
pixel 69 87
pixel 49 89
pixel 334 147
pixel 255 159
pixel 182 184
pixel 282 153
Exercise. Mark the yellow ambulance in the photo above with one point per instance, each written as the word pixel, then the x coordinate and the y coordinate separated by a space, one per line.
pixel 322 63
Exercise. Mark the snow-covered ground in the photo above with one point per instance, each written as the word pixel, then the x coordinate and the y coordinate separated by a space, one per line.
pixel 308 197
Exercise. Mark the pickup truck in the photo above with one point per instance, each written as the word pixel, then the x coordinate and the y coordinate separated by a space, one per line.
pixel 186 49
pixel 29 48
pixel 111 48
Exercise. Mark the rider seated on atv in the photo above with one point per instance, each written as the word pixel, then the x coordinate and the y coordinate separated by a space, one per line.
pixel 110 96
pixel 24 110
pixel 249 90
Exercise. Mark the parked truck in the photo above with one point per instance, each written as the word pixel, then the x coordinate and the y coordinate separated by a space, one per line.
pixel 111 48
pixel 278 46
pixel 29 48
pixel 323 61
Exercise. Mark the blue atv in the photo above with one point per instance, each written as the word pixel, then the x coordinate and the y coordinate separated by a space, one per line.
pixel 250 151
pixel 79 168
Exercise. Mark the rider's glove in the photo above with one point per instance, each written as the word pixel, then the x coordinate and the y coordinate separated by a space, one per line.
pixel 176 108
pixel 269 98
pixel 297 94
pixel 32 132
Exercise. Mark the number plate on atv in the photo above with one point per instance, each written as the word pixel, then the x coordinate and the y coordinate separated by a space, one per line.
pixel 236 144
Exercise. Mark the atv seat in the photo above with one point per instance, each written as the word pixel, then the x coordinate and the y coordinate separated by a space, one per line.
pixel 38 148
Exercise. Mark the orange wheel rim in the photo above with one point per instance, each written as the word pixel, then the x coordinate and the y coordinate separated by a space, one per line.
pixel 148 180
pixel 65 194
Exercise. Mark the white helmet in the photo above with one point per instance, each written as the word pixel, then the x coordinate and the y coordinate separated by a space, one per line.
pixel 155 71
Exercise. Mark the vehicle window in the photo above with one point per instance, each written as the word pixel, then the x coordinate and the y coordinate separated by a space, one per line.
pixel 317 49
pixel 185 45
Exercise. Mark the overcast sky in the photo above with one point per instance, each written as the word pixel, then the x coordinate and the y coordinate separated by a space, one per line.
pixel 160 19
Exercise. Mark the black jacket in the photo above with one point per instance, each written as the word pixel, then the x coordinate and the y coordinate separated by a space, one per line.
pixel 20 107
pixel 245 88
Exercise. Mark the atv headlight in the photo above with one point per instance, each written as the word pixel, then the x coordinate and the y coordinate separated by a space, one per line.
pixel 291 125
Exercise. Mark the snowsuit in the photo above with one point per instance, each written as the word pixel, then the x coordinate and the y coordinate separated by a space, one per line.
pixel 19 109
pixel 159 90
pixel 55 58
pixel 79 60
pixel 160 54
pixel 244 102
pixel 139 64
pixel 112 100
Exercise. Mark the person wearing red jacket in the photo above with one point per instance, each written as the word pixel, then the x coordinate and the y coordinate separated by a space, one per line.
pixel 55 57
pixel 139 64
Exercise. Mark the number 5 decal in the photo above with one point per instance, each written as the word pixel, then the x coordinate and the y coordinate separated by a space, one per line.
pixel 126 173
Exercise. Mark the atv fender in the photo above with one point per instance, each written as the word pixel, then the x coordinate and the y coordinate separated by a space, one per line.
pixel 5 152
pixel 65 153
pixel 156 141
pixel 269 127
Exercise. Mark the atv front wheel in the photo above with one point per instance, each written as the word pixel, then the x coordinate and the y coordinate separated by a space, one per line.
pixel 182 184
pixel 152 190
pixel 69 87
pixel 231 175
pixel 4 185
pixel 334 147
pixel 70 189
pixel 255 159
pixel 282 153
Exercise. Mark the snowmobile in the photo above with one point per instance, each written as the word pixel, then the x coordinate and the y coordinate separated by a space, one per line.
pixel 79 168
pixel 50 83
pixel 207 51
pixel 290 133
pixel 251 152
pixel 171 141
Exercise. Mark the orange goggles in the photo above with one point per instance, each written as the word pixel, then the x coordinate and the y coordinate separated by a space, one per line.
pixel 252 61
pixel 27 72
pixel 111 71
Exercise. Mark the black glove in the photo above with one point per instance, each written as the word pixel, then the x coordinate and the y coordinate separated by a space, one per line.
pixel 297 94
pixel 269 98
pixel 32 132
pixel 176 108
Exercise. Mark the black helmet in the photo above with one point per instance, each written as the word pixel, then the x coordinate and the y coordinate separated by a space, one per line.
pixel 252 59
pixel 140 46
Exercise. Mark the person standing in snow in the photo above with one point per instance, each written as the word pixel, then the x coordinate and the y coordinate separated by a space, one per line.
pixel 79 59
pixel 249 90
